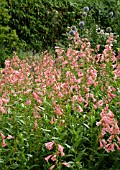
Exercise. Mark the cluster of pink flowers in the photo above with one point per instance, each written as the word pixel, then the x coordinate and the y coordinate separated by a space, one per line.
pixel 53 157
pixel 3 139
pixel 109 130
pixel 3 100
pixel 72 77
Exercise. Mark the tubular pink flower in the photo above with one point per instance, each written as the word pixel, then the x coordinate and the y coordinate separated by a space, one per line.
pixel 53 158
pixel 3 136
pixel 3 143
pixel 2 109
pixel 51 168
pixel 60 149
pixel 66 164
pixel 49 145
pixel 10 137
pixel 35 95
pixel 48 157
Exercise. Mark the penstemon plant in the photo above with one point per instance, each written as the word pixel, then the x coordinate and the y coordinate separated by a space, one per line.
pixel 61 111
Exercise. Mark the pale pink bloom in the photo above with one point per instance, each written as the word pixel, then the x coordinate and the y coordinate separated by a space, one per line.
pixel 2 110
pixel 80 99
pixel 60 95
pixel 111 147
pixel 51 168
pixel 118 148
pixel 28 102
pixel 75 97
pixel 35 95
pixel 98 123
pixel 98 47
pixel 80 109
pixel 3 136
pixel 101 144
pixel 3 143
pixel 92 96
pixel 64 63
pixel 107 147
pixel 5 100
pixel 4 94
pixel 27 91
pixel 79 80
pixel 7 63
pixel 95 107
pixel 111 138
pixel 37 108
pixel 36 115
pixel 40 101
pixel 85 106
pixel 86 90
pixel 110 114
pixel 35 124
pixel 60 149
pixel 53 120
pixel 58 111
pixel 49 145
pixel 53 158
pixel 48 157
pixel 100 103
pixel 106 120
pixel 56 87
pixel 66 164
pixel 1 102
pixel 10 137
pixel 118 139
pixel 80 73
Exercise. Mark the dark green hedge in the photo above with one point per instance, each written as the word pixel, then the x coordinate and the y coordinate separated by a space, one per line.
pixel 40 23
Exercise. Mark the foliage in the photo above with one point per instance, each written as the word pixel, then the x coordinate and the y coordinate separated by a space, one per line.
pixel 41 24
pixel 8 36
pixel 56 109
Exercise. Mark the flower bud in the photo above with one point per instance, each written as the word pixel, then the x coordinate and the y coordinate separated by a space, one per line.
pixel 84 14
pixel 98 29
pixel 81 24
pixel 108 29
pixel 72 32
pixel 73 28
pixel 86 9
pixel 111 14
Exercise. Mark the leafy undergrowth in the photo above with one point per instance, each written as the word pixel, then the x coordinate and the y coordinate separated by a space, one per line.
pixel 61 111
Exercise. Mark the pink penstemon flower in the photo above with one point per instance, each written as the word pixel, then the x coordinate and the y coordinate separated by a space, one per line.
pixel 28 102
pixel 53 120
pixel 80 109
pixel 48 157
pixel 3 143
pixel 49 145
pixel 109 125
pixel 35 95
pixel 51 168
pixel 35 124
pixel 118 138
pixel 3 136
pixel 10 137
pixel 5 100
pixel 2 109
pixel 60 149
pixel 54 158
pixel 57 110
pixel 36 115
pixel 66 164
